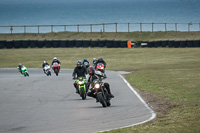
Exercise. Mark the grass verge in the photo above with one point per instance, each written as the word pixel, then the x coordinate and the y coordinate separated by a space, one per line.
pixel 132 36
pixel 168 79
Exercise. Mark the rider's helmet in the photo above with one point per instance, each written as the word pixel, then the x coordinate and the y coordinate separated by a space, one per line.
pixel 100 59
pixel 54 58
pixel 84 59
pixel 79 63
pixel 91 71
pixel 44 62
pixel 94 59
pixel 20 65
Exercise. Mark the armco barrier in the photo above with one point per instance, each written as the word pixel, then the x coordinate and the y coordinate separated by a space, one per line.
pixel 170 44
pixel 109 44
pixel 102 43
pixel 63 44
pixel 79 43
pixel 117 44
pixel 9 44
pixel 176 44
pixel 56 44
pixel 123 44
pixel 190 44
pixel 47 44
pixel 33 43
pixel 41 43
pixel 94 43
pixel 17 44
pixel 157 44
pixel 25 44
pixel 2 44
pixel 71 43
pixel 164 43
pixel 86 43
pixel 182 44
pixel 150 44
pixel 196 43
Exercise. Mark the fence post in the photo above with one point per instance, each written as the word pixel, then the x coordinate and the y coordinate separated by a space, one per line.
pixel 128 28
pixel 116 27
pixel 165 27
pixel 77 28
pixel 90 27
pixel 11 29
pixel 51 28
pixel 188 27
pixel 152 27
pixel 103 27
pixel 140 27
pixel 65 28
pixel 176 27
pixel 38 29
pixel 24 29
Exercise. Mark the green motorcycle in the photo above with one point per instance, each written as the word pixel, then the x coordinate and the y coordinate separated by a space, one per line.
pixel 24 71
pixel 81 84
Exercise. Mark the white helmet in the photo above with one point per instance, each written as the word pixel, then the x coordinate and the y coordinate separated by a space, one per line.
pixel 54 58
pixel 45 62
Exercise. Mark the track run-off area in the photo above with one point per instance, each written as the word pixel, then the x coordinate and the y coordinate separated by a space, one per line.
pixel 49 104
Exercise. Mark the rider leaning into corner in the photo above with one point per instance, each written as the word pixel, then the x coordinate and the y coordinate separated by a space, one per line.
pixel 79 71
pixel 56 60
pixel 20 68
pixel 92 77
pixel 44 64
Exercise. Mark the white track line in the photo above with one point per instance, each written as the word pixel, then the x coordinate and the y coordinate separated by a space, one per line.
pixel 153 114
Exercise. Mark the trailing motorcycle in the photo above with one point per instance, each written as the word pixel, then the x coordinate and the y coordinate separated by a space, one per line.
pixel 101 92
pixel 81 86
pixel 47 70
pixel 24 71
pixel 56 68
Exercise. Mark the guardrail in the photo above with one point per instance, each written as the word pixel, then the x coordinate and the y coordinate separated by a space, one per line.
pixel 96 43
pixel 105 27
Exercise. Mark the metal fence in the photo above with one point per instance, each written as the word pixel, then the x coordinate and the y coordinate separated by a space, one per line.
pixel 105 27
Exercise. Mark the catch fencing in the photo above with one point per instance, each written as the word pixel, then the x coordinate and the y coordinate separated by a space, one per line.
pixel 105 27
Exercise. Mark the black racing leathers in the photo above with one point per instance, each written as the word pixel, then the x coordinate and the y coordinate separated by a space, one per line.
pixel 79 71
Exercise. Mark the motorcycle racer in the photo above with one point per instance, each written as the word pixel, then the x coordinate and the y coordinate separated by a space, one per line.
pixel 55 60
pixel 92 77
pixel 44 64
pixel 79 71
pixel 100 60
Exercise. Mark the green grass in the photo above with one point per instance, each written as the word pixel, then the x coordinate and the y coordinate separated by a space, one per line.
pixel 132 36
pixel 170 77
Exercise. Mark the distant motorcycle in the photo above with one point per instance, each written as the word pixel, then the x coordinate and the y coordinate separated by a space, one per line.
pixel 101 92
pixel 100 67
pixel 47 70
pixel 81 84
pixel 24 71
pixel 56 68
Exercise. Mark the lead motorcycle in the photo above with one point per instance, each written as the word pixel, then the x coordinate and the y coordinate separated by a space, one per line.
pixel 100 91
pixel 47 70
pixel 81 84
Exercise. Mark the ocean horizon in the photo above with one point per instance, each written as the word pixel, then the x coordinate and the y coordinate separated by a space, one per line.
pixel 74 12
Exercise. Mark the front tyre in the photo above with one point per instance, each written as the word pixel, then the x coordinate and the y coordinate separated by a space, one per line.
pixel 56 71
pixel 83 94
pixel 101 99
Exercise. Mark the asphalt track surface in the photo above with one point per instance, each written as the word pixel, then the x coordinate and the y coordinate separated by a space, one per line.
pixel 42 104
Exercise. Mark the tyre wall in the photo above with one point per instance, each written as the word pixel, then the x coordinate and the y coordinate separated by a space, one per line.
pixel 96 43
